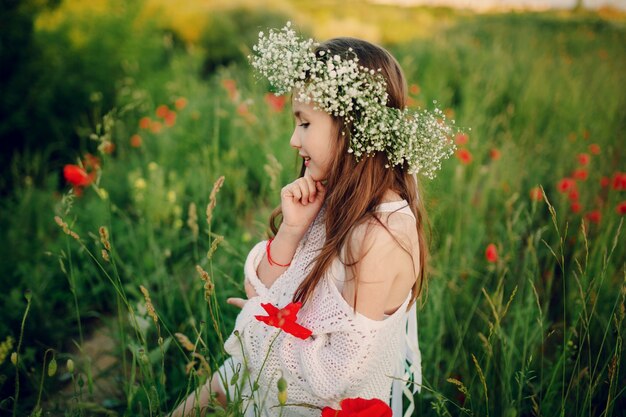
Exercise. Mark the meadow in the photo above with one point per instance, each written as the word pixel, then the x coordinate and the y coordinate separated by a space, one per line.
pixel 123 244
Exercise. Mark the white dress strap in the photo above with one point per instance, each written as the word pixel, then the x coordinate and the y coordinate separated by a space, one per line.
pixel 411 370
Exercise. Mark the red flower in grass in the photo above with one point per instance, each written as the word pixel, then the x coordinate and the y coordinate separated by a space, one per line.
pixel 135 141
pixel 621 208
pixel 284 319
pixel 180 103
pixel 575 207
pixel 573 195
pixel 77 176
pixel 144 123
pixel 583 158
pixel 162 111
pixel 594 216
pixel 170 118
pixel 604 182
pixel 594 148
pixel 461 139
pixel 566 184
pixel 359 407
pixel 536 194
pixel 276 103
pixel 464 156
pixel 494 154
pixel 619 181
pixel 580 174
pixel 491 253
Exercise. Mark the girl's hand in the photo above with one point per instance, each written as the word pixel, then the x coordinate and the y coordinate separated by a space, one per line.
pixel 300 202
pixel 237 302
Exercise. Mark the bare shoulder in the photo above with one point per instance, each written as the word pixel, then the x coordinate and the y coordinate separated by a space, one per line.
pixel 385 252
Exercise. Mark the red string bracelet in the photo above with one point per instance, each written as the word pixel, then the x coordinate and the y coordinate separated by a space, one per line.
pixel 269 257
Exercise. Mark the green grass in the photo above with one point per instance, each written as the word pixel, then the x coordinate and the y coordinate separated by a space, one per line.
pixel 539 332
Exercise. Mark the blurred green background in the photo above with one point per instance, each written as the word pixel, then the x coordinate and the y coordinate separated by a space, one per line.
pixel 160 95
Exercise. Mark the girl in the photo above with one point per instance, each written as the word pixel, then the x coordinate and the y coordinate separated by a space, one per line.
pixel 348 236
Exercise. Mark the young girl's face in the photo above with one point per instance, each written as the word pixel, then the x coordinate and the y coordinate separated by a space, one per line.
pixel 313 136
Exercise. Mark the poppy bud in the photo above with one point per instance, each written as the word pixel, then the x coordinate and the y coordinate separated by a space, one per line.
pixel 52 367
pixel 70 366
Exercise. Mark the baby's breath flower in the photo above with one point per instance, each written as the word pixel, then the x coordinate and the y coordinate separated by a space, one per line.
pixel 340 86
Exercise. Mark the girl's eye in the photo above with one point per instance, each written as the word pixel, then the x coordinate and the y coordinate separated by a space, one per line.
pixel 304 125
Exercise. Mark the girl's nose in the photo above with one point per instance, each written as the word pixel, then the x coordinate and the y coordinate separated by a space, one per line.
pixel 295 140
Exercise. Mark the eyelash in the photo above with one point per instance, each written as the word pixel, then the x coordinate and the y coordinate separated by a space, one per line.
pixel 304 125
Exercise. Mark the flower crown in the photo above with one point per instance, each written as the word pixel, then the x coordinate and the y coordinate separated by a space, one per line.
pixel 343 88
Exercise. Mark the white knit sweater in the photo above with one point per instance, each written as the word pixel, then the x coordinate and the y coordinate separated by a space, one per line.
pixel 348 355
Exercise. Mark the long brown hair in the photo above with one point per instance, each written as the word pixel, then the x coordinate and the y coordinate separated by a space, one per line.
pixel 355 189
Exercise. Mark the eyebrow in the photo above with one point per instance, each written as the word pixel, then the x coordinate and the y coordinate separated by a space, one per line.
pixel 299 113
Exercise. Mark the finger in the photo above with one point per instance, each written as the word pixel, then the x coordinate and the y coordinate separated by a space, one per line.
pixel 237 302
pixel 304 191
pixel 310 183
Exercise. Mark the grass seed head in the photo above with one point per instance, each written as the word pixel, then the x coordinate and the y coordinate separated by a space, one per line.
pixel 149 306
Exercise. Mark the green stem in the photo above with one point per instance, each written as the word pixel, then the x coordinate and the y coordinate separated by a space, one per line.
pixel 17 361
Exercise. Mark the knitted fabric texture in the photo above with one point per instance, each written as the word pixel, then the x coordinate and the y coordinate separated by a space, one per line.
pixel 348 354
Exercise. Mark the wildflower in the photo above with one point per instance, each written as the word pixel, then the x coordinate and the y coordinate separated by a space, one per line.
pixel 594 148
pixel 491 253
pixel 604 182
pixel 359 407
pixel 156 127
pixel 621 208
pixel 77 176
pixel 149 306
pixel 180 103
pixel 284 319
pixel 573 195
pixel 145 123
pixel 91 162
pixel 162 111
pixel 536 194
pixel 575 207
pixel 583 158
pixel 594 216
pixel 276 103
pixel 494 154
pixel 464 156
pixel 461 139
pixel 170 119
pixel 580 174
pixel 135 141
pixel 566 184
pixel 619 181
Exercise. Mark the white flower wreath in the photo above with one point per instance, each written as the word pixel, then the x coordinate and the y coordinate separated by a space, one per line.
pixel 343 88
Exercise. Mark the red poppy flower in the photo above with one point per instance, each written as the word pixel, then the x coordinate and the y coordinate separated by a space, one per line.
pixel 583 158
pixel 162 111
pixel 155 127
pixel 135 141
pixel 566 184
pixel 144 123
pixel 580 174
pixel 276 103
pixel 575 207
pixel 621 208
pixel 285 319
pixel 536 194
pixel 494 154
pixel 90 161
pixel 461 139
pixel 594 216
pixel 359 407
pixel 76 175
pixel 604 182
pixel 619 181
pixel 491 253
pixel 180 103
pixel 573 195
pixel 464 156
pixel 594 148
